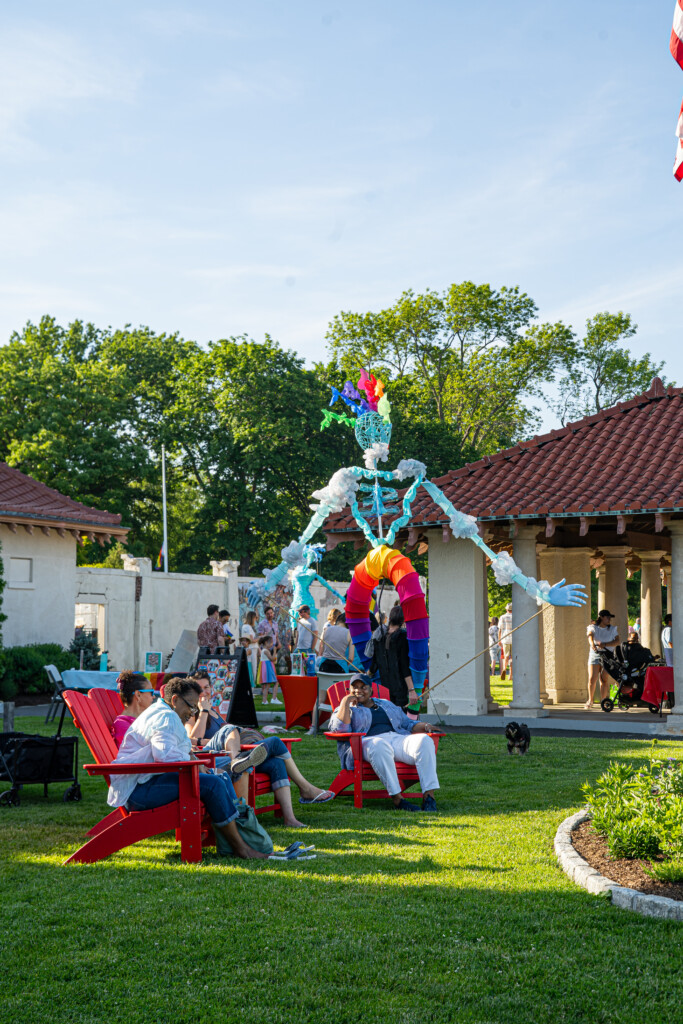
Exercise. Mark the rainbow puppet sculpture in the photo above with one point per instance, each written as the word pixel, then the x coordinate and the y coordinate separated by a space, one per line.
pixel 372 426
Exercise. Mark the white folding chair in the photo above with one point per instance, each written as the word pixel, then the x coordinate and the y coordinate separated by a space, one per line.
pixel 55 678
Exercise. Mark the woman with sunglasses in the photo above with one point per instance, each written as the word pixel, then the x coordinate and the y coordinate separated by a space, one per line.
pixel 136 696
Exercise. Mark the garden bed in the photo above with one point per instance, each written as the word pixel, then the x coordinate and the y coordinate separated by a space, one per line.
pixel 623 871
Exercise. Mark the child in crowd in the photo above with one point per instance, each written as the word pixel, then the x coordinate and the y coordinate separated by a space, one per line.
pixel 266 671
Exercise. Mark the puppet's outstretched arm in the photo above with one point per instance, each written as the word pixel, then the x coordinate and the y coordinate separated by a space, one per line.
pixel 329 587
pixel 504 568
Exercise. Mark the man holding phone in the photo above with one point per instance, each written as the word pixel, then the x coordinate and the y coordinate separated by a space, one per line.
pixel 389 736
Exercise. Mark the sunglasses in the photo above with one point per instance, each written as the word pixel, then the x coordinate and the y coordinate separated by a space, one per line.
pixel 194 708
pixel 147 691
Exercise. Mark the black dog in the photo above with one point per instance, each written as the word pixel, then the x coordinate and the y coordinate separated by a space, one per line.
pixel 518 737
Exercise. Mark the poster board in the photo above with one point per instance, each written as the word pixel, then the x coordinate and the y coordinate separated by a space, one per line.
pixel 241 709
pixel 153 661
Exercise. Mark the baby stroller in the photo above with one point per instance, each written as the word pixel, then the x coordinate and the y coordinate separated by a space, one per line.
pixel 627 666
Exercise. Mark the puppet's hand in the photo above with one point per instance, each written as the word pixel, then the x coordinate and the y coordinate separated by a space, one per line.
pixel 256 592
pixel 571 595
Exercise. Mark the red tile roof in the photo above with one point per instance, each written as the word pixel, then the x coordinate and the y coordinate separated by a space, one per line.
pixel 23 498
pixel 625 459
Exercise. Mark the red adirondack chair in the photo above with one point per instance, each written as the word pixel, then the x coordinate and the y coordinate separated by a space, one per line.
pixel 122 828
pixel 108 702
pixel 362 770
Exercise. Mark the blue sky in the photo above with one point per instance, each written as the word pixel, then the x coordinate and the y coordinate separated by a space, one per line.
pixel 219 168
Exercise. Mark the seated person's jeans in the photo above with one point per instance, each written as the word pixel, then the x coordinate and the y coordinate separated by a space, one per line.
pixel 216 791
pixel 273 766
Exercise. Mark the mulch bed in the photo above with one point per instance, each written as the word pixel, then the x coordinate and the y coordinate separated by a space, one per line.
pixel 629 873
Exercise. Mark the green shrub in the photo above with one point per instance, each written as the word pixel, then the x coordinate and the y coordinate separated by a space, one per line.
pixel 22 668
pixel 638 838
pixel 640 813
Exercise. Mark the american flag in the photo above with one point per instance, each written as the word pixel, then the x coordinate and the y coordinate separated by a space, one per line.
pixel 676 47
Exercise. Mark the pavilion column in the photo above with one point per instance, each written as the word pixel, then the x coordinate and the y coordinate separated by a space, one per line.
pixel 675 719
pixel 491 704
pixel 545 696
pixel 616 597
pixel 667 581
pixel 526 682
pixel 602 592
pixel 651 600
pixel 565 643
pixel 457 628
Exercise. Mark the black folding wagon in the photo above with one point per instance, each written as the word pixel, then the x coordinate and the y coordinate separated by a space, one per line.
pixel 27 760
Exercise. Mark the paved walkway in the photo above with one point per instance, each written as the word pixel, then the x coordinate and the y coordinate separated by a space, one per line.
pixel 564 719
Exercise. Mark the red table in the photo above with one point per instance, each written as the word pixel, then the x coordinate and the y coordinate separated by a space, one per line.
pixel 659 682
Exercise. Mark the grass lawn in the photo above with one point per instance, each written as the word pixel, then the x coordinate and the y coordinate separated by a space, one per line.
pixel 501 690
pixel 461 916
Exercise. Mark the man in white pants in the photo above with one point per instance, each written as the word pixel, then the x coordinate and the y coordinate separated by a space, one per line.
pixel 389 736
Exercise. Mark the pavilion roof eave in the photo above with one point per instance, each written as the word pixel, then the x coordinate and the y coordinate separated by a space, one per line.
pixel 56 522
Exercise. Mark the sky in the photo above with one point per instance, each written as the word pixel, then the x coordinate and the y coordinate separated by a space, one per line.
pixel 219 169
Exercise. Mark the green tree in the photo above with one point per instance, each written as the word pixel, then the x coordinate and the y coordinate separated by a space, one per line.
pixel 598 372
pixel 82 410
pixel 247 439
pixel 470 358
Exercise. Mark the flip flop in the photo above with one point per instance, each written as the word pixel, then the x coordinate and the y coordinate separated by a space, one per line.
pixel 321 798
pixel 293 852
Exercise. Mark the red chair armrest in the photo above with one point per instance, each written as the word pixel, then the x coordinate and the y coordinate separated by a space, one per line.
pixel 147 768
pixel 342 735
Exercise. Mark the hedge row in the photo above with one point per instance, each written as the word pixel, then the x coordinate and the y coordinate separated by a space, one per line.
pixel 22 668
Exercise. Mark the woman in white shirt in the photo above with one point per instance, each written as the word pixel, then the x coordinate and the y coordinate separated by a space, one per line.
pixel 335 646
pixel 602 635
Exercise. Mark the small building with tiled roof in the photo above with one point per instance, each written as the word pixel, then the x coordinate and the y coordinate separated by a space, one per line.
pixel 39 532
pixel 603 493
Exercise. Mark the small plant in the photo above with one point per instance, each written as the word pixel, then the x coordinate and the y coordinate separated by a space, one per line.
pixel 87 643
pixel 666 870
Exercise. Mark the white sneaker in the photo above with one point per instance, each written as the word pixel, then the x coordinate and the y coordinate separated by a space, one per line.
pixel 274 701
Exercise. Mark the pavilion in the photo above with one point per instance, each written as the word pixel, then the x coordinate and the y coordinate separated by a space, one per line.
pixel 604 493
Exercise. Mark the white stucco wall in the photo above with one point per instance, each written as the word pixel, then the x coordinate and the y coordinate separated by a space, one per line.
pixel 41 610
pixel 166 605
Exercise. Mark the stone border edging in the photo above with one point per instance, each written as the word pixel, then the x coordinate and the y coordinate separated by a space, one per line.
pixel 581 872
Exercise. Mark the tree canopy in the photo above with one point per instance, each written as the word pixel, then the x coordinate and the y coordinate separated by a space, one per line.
pixel 86 410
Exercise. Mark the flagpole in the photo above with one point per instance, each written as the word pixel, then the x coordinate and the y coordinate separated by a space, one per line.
pixel 163 492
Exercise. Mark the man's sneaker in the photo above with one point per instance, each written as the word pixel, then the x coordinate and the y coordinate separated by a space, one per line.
pixel 428 803
pixel 276 701
pixel 249 759
pixel 405 805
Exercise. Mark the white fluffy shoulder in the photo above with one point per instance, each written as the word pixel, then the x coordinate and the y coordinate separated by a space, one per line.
pixel 409 467
pixel 293 554
pixel 338 493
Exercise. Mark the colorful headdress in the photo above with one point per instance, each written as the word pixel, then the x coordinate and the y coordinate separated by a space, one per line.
pixel 375 400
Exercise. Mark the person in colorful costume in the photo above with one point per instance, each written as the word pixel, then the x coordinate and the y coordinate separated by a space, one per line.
pixel 372 426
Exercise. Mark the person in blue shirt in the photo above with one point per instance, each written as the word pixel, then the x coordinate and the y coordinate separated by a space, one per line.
pixel 389 736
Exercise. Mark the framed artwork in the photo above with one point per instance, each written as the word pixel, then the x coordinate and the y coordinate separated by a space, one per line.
pixel 153 661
